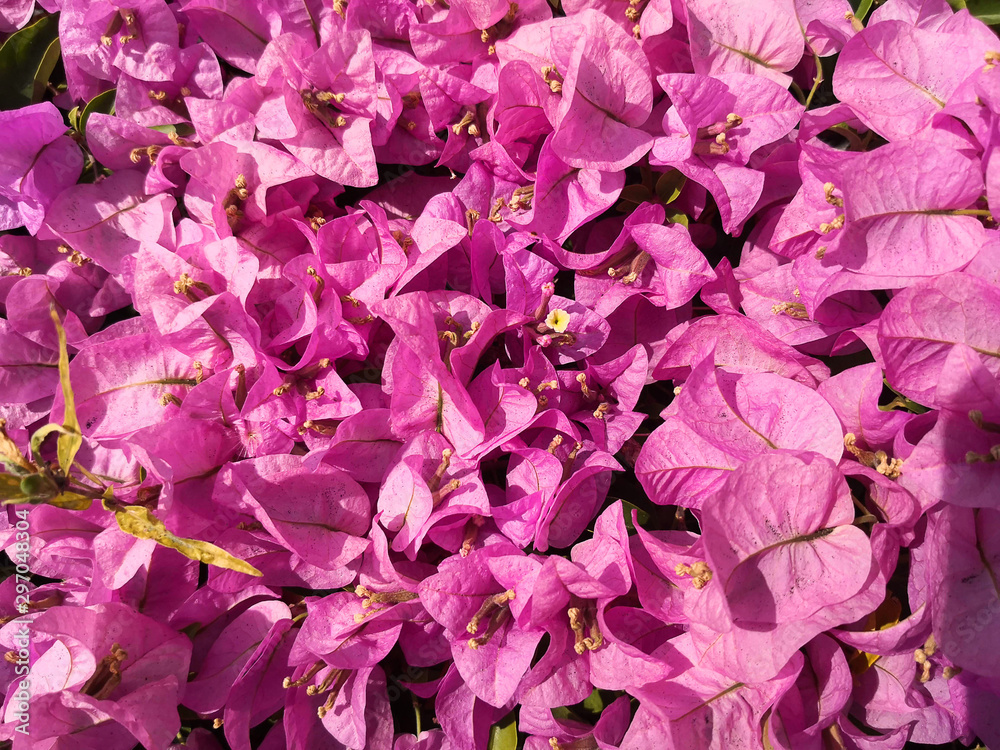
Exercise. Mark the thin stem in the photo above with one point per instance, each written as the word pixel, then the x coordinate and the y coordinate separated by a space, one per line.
pixel 799 94
pixel 859 505
pixel 850 135
pixel 819 75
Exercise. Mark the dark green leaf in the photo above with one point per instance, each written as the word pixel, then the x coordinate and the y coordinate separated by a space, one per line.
pixel 564 713
pixel 901 402
pixel 104 103
pixel 45 68
pixel 22 58
pixel 642 516
pixel 670 185
pixel 987 11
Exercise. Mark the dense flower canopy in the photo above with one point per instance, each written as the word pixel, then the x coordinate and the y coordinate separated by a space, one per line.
pixel 425 375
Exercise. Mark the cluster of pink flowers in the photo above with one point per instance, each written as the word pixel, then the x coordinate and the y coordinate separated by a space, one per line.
pixel 418 396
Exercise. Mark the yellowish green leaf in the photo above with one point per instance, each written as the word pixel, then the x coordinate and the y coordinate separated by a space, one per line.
pixel 71 501
pixel 39 437
pixel 70 439
pixel 10 488
pixel 594 703
pixel 635 194
pixel 140 523
pixel 503 734
pixel 10 454
pixel 670 185
pixel 91 476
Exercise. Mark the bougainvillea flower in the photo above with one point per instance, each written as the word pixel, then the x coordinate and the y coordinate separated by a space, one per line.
pixel 14 15
pixel 782 565
pixel 108 221
pixel 854 395
pixel 923 324
pixel 713 426
pixel 39 164
pixel 821 691
pixel 922 192
pixel 120 380
pixel 564 197
pixel 427 485
pixel 962 598
pixel 894 76
pixel 237 33
pixel 99 40
pixel 744 37
pixel 467 599
pixel 741 346
pixel 132 672
pixel 955 462
pixel 325 522
pixel 702 111
pixel 699 696
pixel 320 103
pixel 587 374
pixel 606 89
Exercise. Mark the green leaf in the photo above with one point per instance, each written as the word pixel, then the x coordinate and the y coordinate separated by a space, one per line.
pixel 987 11
pixel 635 194
pixel 503 734
pixel 670 185
pixel 901 402
pixel 594 703
pixel 564 713
pixel 642 517
pixel 44 71
pixel 866 5
pixel 36 489
pixel 179 131
pixel 103 103
pixel 70 438
pixel 140 523
pixel 25 58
